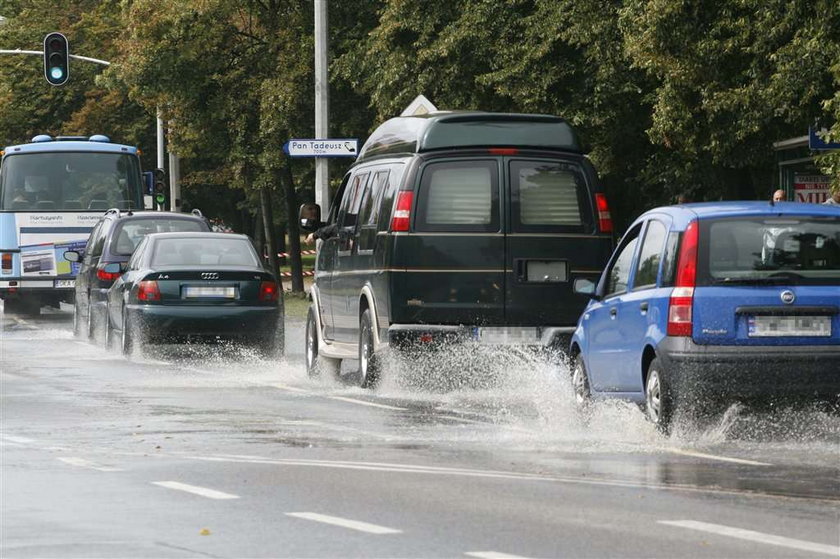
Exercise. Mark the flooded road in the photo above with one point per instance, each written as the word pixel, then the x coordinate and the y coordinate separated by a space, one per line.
pixel 211 451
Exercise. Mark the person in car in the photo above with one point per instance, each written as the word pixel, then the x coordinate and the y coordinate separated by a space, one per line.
pixel 324 233
pixel 779 196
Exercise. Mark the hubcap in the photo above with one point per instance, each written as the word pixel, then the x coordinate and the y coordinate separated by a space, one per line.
pixel 124 332
pixel 653 396
pixel 579 384
pixel 364 358
pixel 310 345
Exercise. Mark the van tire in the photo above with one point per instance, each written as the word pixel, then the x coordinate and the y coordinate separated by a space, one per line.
pixel 369 362
pixel 660 397
pixel 317 364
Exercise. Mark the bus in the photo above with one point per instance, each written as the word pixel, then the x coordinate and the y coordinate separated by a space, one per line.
pixel 52 192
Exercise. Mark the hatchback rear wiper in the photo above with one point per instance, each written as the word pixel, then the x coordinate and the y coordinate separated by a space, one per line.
pixel 775 279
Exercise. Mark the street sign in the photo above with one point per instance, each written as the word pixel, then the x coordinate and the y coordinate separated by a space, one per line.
pixel 816 141
pixel 344 147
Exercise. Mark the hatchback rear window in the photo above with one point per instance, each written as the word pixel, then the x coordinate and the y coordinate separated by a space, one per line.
pixel 192 251
pixel 129 234
pixel 459 196
pixel 771 250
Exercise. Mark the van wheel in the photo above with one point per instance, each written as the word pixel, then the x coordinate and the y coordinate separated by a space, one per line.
pixel 368 361
pixel 580 382
pixel 317 364
pixel 660 399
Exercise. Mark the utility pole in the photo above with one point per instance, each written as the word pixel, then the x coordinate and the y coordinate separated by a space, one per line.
pixel 159 133
pixel 322 105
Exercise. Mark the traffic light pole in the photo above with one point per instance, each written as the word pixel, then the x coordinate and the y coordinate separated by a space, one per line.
pixel 41 53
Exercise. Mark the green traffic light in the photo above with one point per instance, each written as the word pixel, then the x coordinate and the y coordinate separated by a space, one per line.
pixel 160 198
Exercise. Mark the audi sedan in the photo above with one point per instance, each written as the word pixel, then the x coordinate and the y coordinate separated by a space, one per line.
pixel 181 287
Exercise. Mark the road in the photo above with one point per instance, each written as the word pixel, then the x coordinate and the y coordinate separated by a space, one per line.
pixel 210 452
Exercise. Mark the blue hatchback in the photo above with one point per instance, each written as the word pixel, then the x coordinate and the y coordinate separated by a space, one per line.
pixel 726 300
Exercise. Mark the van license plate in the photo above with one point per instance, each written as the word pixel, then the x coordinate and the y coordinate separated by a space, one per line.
pixel 779 326
pixel 65 283
pixel 191 292
pixel 506 336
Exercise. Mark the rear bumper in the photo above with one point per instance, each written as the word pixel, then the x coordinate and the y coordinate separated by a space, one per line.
pixel 752 371
pixel 170 322
pixel 419 335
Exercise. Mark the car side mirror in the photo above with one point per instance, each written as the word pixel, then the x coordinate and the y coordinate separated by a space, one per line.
pixel 72 256
pixel 584 286
pixel 114 268
pixel 309 216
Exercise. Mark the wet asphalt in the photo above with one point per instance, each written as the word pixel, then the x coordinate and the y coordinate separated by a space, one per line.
pixel 209 451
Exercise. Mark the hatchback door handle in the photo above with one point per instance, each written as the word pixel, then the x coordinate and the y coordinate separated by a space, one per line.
pixel 613 312
pixel 644 307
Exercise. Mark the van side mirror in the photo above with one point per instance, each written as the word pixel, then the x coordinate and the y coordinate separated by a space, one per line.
pixel 584 286
pixel 309 217
pixel 114 268
pixel 72 256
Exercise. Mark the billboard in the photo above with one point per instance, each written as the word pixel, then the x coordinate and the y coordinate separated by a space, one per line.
pixel 811 189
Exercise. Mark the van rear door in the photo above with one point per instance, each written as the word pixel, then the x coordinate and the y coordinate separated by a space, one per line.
pixel 552 239
pixel 449 269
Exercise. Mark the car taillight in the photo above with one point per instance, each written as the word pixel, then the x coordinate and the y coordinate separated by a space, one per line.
pixel 7 263
pixel 269 291
pixel 102 275
pixel 402 213
pixel 605 224
pixel 148 291
pixel 682 297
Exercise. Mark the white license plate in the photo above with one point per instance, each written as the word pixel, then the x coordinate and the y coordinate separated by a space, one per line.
pixel 546 271
pixel 191 292
pixel 71 283
pixel 780 326
pixel 505 336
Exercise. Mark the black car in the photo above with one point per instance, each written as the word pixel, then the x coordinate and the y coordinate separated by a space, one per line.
pixel 456 226
pixel 180 287
pixel 113 240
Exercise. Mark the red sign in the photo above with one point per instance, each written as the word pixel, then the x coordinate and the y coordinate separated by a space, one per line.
pixel 811 189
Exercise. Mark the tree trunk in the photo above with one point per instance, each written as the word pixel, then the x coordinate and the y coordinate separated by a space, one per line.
pixel 268 228
pixel 294 229
pixel 258 235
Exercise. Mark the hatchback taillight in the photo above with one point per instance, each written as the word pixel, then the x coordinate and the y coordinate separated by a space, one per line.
pixel 148 291
pixel 269 291
pixel 682 297
pixel 605 224
pixel 402 213
pixel 102 275
pixel 7 263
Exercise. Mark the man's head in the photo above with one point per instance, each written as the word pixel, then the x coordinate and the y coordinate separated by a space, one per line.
pixel 779 196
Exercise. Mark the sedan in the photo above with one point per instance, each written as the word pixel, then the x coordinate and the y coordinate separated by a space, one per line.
pixel 195 287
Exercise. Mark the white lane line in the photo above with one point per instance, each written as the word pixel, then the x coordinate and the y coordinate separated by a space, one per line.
pixel 7 443
pixel 492 555
pixel 18 440
pixel 364 403
pixel 203 491
pixel 82 463
pixel 759 537
pixel 293 389
pixel 718 458
pixel 345 523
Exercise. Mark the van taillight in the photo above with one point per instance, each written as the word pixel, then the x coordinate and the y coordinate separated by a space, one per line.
pixel 102 275
pixel 682 297
pixel 402 213
pixel 503 151
pixel 605 224
pixel 148 291
pixel 7 263
pixel 268 291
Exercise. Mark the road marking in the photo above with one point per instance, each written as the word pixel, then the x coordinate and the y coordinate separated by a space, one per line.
pixel 364 403
pixel 203 491
pixel 82 463
pixel 18 440
pixel 293 389
pixel 716 457
pixel 492 555
pixel 345 523
pixel 759 537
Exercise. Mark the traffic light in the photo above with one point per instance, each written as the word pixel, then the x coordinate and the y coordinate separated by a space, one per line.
pixel 56 59
pixel 160 189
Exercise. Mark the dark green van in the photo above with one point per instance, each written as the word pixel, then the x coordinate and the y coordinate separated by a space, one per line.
pixel 454 227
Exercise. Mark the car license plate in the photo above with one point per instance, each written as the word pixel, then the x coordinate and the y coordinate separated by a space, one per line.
pixel 506 336
pixel 191 292
pixel 65 283
pixel 778 326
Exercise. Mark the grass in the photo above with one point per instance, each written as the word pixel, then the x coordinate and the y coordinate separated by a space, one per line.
pixel 307 260
pixel 296 304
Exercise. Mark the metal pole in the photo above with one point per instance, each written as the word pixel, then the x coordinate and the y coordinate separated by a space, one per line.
pixel 174 182
pixel 161 162
pixel 322 106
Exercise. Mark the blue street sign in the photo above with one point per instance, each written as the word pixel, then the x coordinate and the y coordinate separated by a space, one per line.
pixel 344 147
pixel 815 142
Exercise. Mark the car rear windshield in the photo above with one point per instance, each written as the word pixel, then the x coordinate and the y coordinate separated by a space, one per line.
pixel 788 250
pixel 129 234
pixel 195 251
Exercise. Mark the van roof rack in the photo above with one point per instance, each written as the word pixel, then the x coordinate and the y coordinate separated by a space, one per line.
pixel 196 212
pixel 469 129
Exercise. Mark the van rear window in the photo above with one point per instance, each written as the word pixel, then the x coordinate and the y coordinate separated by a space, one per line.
pixel 790 250
pixel 459 196
pixel 548 196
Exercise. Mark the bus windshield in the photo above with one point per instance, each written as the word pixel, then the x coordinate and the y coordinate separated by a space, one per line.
pixel 67 181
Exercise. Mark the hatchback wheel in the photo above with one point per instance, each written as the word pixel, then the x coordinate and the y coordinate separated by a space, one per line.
pixel 368 360
pixel 659 397
pixel 580 382
pixel 317 364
